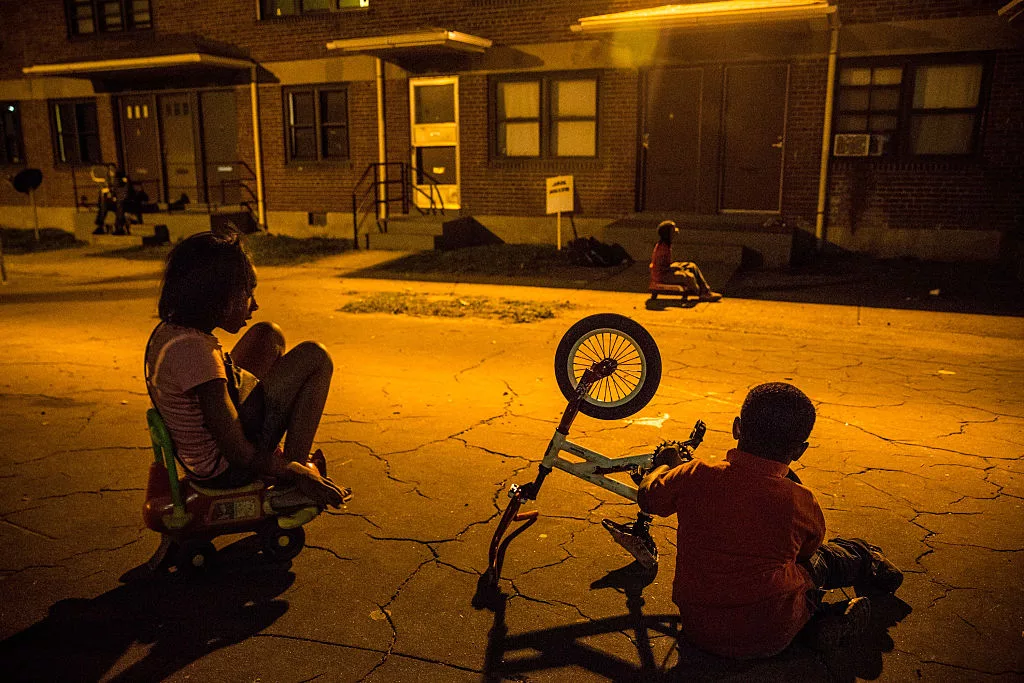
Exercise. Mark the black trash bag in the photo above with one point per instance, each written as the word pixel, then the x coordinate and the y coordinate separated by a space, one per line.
pixel 589 251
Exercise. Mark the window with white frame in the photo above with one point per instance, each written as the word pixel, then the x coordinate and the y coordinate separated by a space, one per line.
pixel 289 8
pixel 11 146
pixel 76 134
pixel 545 116
pixel 86 17
pixel 316 123
pixel 913 107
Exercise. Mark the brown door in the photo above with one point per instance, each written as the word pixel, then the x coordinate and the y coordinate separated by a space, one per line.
pixel 140 142
pixel 754 121
pixel 220 146
pixel 671 139
pixel 181 163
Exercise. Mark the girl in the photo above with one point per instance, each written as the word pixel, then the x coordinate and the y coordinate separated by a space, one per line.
pixel 685 273
pixel 226 412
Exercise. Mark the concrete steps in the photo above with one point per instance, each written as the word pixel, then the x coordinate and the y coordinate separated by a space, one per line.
pixel 411 232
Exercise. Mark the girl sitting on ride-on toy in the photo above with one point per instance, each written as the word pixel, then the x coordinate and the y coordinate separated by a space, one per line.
pixel 227 413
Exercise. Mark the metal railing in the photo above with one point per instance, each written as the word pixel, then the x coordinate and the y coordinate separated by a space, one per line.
pixel 367 193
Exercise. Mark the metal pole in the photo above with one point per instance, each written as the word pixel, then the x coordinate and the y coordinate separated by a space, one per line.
pixel 35 212
pixel 254 99
pixel 826 135
pixel 382 153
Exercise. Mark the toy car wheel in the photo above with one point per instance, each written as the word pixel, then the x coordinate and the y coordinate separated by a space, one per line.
pixel 609 336
pixel 195 558
pixel 281 545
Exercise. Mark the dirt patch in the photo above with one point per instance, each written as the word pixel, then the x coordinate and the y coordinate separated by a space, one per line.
pixel 399 303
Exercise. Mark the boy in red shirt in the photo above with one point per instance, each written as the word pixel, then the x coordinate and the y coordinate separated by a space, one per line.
pixel 750 561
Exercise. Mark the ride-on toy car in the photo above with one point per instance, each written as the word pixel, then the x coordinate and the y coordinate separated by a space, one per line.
pixel 189 516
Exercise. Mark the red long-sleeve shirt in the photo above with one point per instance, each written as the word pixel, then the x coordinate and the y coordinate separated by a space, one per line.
pixel 742 527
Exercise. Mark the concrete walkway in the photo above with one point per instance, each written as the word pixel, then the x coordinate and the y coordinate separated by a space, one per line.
pixel 918 448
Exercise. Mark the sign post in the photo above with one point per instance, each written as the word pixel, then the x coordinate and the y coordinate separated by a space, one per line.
pixel 559 199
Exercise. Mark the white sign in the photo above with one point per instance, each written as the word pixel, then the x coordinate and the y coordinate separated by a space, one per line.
pixel 560 194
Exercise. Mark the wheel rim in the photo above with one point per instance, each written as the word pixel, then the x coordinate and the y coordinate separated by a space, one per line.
pixel 630 372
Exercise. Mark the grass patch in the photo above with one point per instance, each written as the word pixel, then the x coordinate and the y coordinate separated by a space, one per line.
pixel 266 250
pixel 508 260
pixel 23 240
pixel 404 303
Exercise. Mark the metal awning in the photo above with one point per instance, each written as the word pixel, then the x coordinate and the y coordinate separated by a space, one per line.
pixel 1013 11
pixel 136 64
pixel 433 39
pixel 724 13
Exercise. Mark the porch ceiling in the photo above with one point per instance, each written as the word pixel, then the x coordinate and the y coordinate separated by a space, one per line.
pixel 721 14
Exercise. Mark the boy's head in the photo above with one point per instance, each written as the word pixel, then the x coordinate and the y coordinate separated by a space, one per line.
pixel 206 275
pixel 774 422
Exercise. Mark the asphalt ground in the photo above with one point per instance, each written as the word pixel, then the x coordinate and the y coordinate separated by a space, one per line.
pixel 917 447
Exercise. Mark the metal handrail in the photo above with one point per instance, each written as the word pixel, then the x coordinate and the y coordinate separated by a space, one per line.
pixel 405 171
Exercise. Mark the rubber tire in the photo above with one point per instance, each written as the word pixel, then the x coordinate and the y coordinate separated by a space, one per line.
pixel 271 537
pixel 645 345
pixel 195 558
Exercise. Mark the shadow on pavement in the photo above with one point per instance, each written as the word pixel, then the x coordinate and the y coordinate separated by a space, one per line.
pixel 81 295
pixel 168 622
pixel 514 656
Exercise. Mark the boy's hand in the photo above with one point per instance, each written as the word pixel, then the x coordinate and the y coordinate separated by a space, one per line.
pixel 320 489
pixel 668 456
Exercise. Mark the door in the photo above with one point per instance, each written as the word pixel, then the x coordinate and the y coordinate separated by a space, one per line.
pixel 671 139
pixel 434 113
pixel 220 146
pixel 140 143
pixel 181 162
pixel 753 126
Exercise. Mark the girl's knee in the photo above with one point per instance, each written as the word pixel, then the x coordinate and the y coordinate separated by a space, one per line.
pixel 315 355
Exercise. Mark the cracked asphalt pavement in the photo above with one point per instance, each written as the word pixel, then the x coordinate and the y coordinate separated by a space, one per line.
pixel 917 448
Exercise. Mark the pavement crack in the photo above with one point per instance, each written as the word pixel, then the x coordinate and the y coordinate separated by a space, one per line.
pixel 31 532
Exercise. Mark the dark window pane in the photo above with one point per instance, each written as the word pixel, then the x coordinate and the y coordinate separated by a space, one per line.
pixel 302 113
pixel 333 107
pixel 851 124
pixel 335 142
pixel 90 147
pixel 304 144
pixel 110 15
pixel 67 147
pixel 942 134
pixel 86 118
pixel 280 8
pixel 435 103
pixel 885 98
pixel 140 14
pixel 310 6
pixel 853 99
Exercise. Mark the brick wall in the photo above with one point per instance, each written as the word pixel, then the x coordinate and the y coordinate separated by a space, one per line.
pixel 604 186
pixel 983 193
pixel 869 11
pixel 805 119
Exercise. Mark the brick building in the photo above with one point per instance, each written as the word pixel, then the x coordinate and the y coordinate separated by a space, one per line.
pixel 892 127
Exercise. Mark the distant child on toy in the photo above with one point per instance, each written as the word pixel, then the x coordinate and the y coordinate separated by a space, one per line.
pixel 665 271
pixel 227 413
pixel 749 554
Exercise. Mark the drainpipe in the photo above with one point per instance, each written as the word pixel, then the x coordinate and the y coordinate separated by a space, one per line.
pixel 254 99
pixel 382 154
pixel 826 136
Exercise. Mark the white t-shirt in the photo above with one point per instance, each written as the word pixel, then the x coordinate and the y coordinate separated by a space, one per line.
pixel 178 360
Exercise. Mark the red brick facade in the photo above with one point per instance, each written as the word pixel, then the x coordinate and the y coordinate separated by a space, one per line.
pixel 979 193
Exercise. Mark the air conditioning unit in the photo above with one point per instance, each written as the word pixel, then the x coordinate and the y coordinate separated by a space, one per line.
pixel 851 145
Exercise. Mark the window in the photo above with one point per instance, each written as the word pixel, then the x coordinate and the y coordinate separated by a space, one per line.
pixel 76 132
pixel 316 121
pixel 545 116
pixel 914 108
pixel 86 17
pixel 11 150
pixel 288 8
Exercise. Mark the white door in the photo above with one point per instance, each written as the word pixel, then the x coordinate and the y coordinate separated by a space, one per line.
pixel 434 112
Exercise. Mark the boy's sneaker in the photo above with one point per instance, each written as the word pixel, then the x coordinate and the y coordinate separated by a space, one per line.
pixel 884 576
pixel 639 544
pixel 839 624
